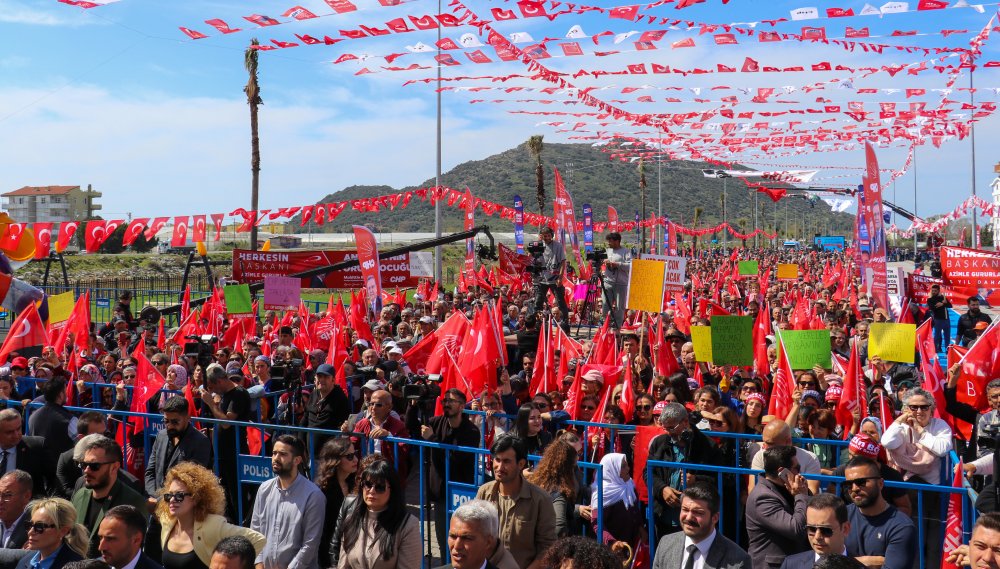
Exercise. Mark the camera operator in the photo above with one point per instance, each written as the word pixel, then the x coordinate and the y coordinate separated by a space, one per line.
pixel 327 406
pixel 616 273
pixel 552 263
pixel 451 428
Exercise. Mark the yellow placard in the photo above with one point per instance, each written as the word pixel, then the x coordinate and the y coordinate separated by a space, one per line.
pixel 893 342
pixel 645 285
pixel 60 307
pixel 701 337
pixel 788 271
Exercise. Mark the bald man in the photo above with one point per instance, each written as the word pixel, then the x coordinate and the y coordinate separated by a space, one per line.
pixel 778 433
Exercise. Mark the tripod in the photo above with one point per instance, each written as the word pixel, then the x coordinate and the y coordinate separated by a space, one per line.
pixel 595 286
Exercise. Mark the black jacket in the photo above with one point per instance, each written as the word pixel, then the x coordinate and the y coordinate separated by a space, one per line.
pixel 698 450
pixel 461 465
pixel 19 536
pixel 32 458
pixel 966 326
pixel 193 447
pixel 328 412
pixel 65 556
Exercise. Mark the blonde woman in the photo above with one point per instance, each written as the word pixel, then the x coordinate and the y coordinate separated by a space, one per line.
pixel 54 535
pixel 190 513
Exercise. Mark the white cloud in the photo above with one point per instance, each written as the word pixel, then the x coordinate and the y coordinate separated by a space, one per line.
pixel 17 12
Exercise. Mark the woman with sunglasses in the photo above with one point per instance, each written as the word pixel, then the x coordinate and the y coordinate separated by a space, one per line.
pixel 528 427
pixel 191 520
pixel 378 532
pixel 337 478
pixel 54 535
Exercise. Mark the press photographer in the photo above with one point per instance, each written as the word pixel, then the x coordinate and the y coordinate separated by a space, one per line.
pixel 549 263
pixel 616 273
pixel 451 428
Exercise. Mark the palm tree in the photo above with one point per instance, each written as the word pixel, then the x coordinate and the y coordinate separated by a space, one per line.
pixel 642 199
pixel 252 91
pixel 535 149
pixel 741 225
pixel 694 225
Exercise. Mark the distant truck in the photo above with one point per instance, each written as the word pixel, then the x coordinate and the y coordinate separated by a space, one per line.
pixel 830 243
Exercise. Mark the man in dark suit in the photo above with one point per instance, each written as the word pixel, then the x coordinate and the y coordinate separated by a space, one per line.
pixel 682 442
pixel 826 527
pixel 15 494
pixel 22 452
pixel 103 488
pixel 473 537
pixel 698 538
pixel 177 442
pixel 776 510
pixel 121 534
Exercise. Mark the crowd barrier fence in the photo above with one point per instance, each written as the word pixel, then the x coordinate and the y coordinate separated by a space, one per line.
pixel 254 469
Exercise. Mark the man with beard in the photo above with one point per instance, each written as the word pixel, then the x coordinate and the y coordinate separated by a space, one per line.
pixel 880 533
pixel 177 442
pixel 451 428
pixel 102 488
pixel 966 332
pixel 289 510
pixel 527 518
pixel 698 541
pixel 776 510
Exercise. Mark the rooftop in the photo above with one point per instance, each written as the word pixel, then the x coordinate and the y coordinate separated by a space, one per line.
pixel 41 191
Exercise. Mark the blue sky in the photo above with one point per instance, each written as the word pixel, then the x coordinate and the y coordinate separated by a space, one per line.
pixel 118 97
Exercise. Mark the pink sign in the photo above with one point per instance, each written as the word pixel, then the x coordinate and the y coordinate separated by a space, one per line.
pixel 282 293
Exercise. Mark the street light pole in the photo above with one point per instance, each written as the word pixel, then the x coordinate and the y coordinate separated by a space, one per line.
pixel 438 261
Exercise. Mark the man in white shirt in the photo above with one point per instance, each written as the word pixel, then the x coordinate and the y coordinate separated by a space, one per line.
pixel 698 545
pixel 777 433
pixel 826 527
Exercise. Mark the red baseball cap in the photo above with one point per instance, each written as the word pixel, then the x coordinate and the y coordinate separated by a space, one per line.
pixel 19 362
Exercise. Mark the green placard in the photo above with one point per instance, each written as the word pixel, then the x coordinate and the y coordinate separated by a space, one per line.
pixel 238 299
pixel 732 340
pixel 749 268
pixel 806 348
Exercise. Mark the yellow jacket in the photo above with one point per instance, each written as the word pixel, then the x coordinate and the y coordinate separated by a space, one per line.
pixel 209 532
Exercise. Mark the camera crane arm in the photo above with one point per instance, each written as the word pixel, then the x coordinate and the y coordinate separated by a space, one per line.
pixel 418 246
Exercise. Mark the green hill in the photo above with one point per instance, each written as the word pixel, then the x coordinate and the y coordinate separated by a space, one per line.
pixel 591 178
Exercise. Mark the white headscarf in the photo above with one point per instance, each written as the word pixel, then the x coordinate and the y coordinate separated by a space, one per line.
pixel 615 489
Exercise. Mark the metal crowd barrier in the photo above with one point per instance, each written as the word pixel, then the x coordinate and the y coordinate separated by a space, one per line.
pixel 254 469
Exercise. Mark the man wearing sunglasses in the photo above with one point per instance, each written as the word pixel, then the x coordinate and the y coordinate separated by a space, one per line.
pixel 881 533
pixel 827 529
pixel 177 442
pixel 102 488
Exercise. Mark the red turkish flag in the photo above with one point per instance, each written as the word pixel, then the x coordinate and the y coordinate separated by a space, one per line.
pixel 500 14
pixel 12 237
pixel 26 332
pixel 627 403
pixel 424 22
pixel 217 221
pixel 624 12
pixel 750 66
pixel 148 382
pixel 198 230
pixel 135 228
pixel 95 235
pixel 155 226
pixel 532 9
pixel 43 239
pixel 179 236
pixel 67 230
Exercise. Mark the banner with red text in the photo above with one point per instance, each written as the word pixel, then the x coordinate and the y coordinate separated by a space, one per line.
pixel 253 266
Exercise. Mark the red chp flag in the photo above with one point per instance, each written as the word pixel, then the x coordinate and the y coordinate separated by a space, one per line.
pixel 876 230
pixel 853 395
pixel 934 377
pixel 370 268
pixel 612 219
pixel 784 381
pixel 953 525
pixel 980 364
pixel 148 382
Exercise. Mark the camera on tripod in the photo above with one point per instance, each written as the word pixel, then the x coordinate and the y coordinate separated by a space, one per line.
pixel 598 255
pixel 201 348
pixel 289 372
pixel 536 249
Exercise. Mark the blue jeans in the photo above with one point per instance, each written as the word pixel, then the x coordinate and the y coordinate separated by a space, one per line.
pixel 942 333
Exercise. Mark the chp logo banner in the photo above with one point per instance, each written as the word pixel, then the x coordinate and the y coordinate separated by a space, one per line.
pixel 253 266
pixel 371 270
pixel 977 272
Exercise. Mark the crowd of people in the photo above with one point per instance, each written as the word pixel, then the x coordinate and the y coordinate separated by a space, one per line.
pixel 82 488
